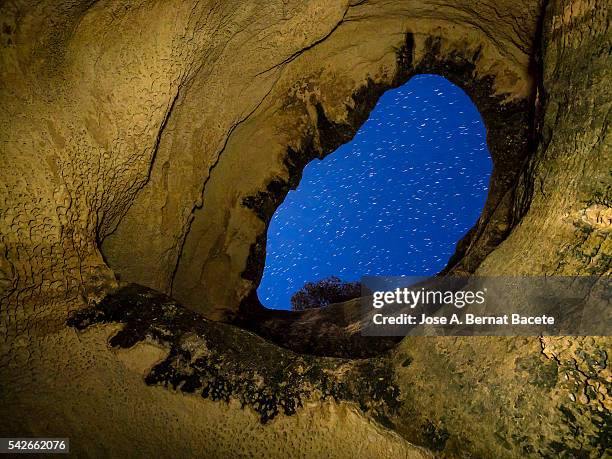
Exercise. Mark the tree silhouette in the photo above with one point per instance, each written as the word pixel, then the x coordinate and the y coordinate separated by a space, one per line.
pixel 324 292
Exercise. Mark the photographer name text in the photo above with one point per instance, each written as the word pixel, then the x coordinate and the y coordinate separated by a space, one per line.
pixel 468 319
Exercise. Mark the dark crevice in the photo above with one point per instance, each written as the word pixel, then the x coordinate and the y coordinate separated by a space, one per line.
pixel 199 205
pixel 106 225
pixel 525 182
pixel 312 45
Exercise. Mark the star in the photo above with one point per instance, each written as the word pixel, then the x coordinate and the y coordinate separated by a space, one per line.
pixel 393 201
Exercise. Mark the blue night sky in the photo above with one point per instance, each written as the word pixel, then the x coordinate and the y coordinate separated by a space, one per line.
pixel 393 201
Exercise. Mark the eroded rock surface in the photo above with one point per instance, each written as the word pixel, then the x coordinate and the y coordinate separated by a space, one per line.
pixel 152 142
pixel 216 361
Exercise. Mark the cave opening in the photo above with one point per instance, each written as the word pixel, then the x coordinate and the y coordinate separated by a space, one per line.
pixel 393 201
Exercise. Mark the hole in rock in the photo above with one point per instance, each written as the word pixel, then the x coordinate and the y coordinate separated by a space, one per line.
pixel 393 201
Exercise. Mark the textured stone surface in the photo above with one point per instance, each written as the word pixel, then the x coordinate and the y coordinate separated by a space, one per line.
pixel 153 140
pixel 216 361
pixel 107 410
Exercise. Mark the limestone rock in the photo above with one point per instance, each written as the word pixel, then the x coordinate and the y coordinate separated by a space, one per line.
pixel 150 142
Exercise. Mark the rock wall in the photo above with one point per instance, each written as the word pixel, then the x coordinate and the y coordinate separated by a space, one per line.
pixel 315 100
pixel 152 141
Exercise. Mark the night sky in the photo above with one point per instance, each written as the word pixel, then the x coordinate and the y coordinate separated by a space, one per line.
pixel 393 201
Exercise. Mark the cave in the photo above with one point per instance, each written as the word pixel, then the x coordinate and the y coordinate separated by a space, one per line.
pixel 145 148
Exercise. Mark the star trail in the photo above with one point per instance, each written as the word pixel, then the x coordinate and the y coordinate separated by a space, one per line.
pixel 393 201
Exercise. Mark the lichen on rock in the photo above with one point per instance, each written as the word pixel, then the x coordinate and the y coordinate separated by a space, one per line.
pixel 217 361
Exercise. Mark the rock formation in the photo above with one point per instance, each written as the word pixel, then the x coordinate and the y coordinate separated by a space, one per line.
pixel 150 143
